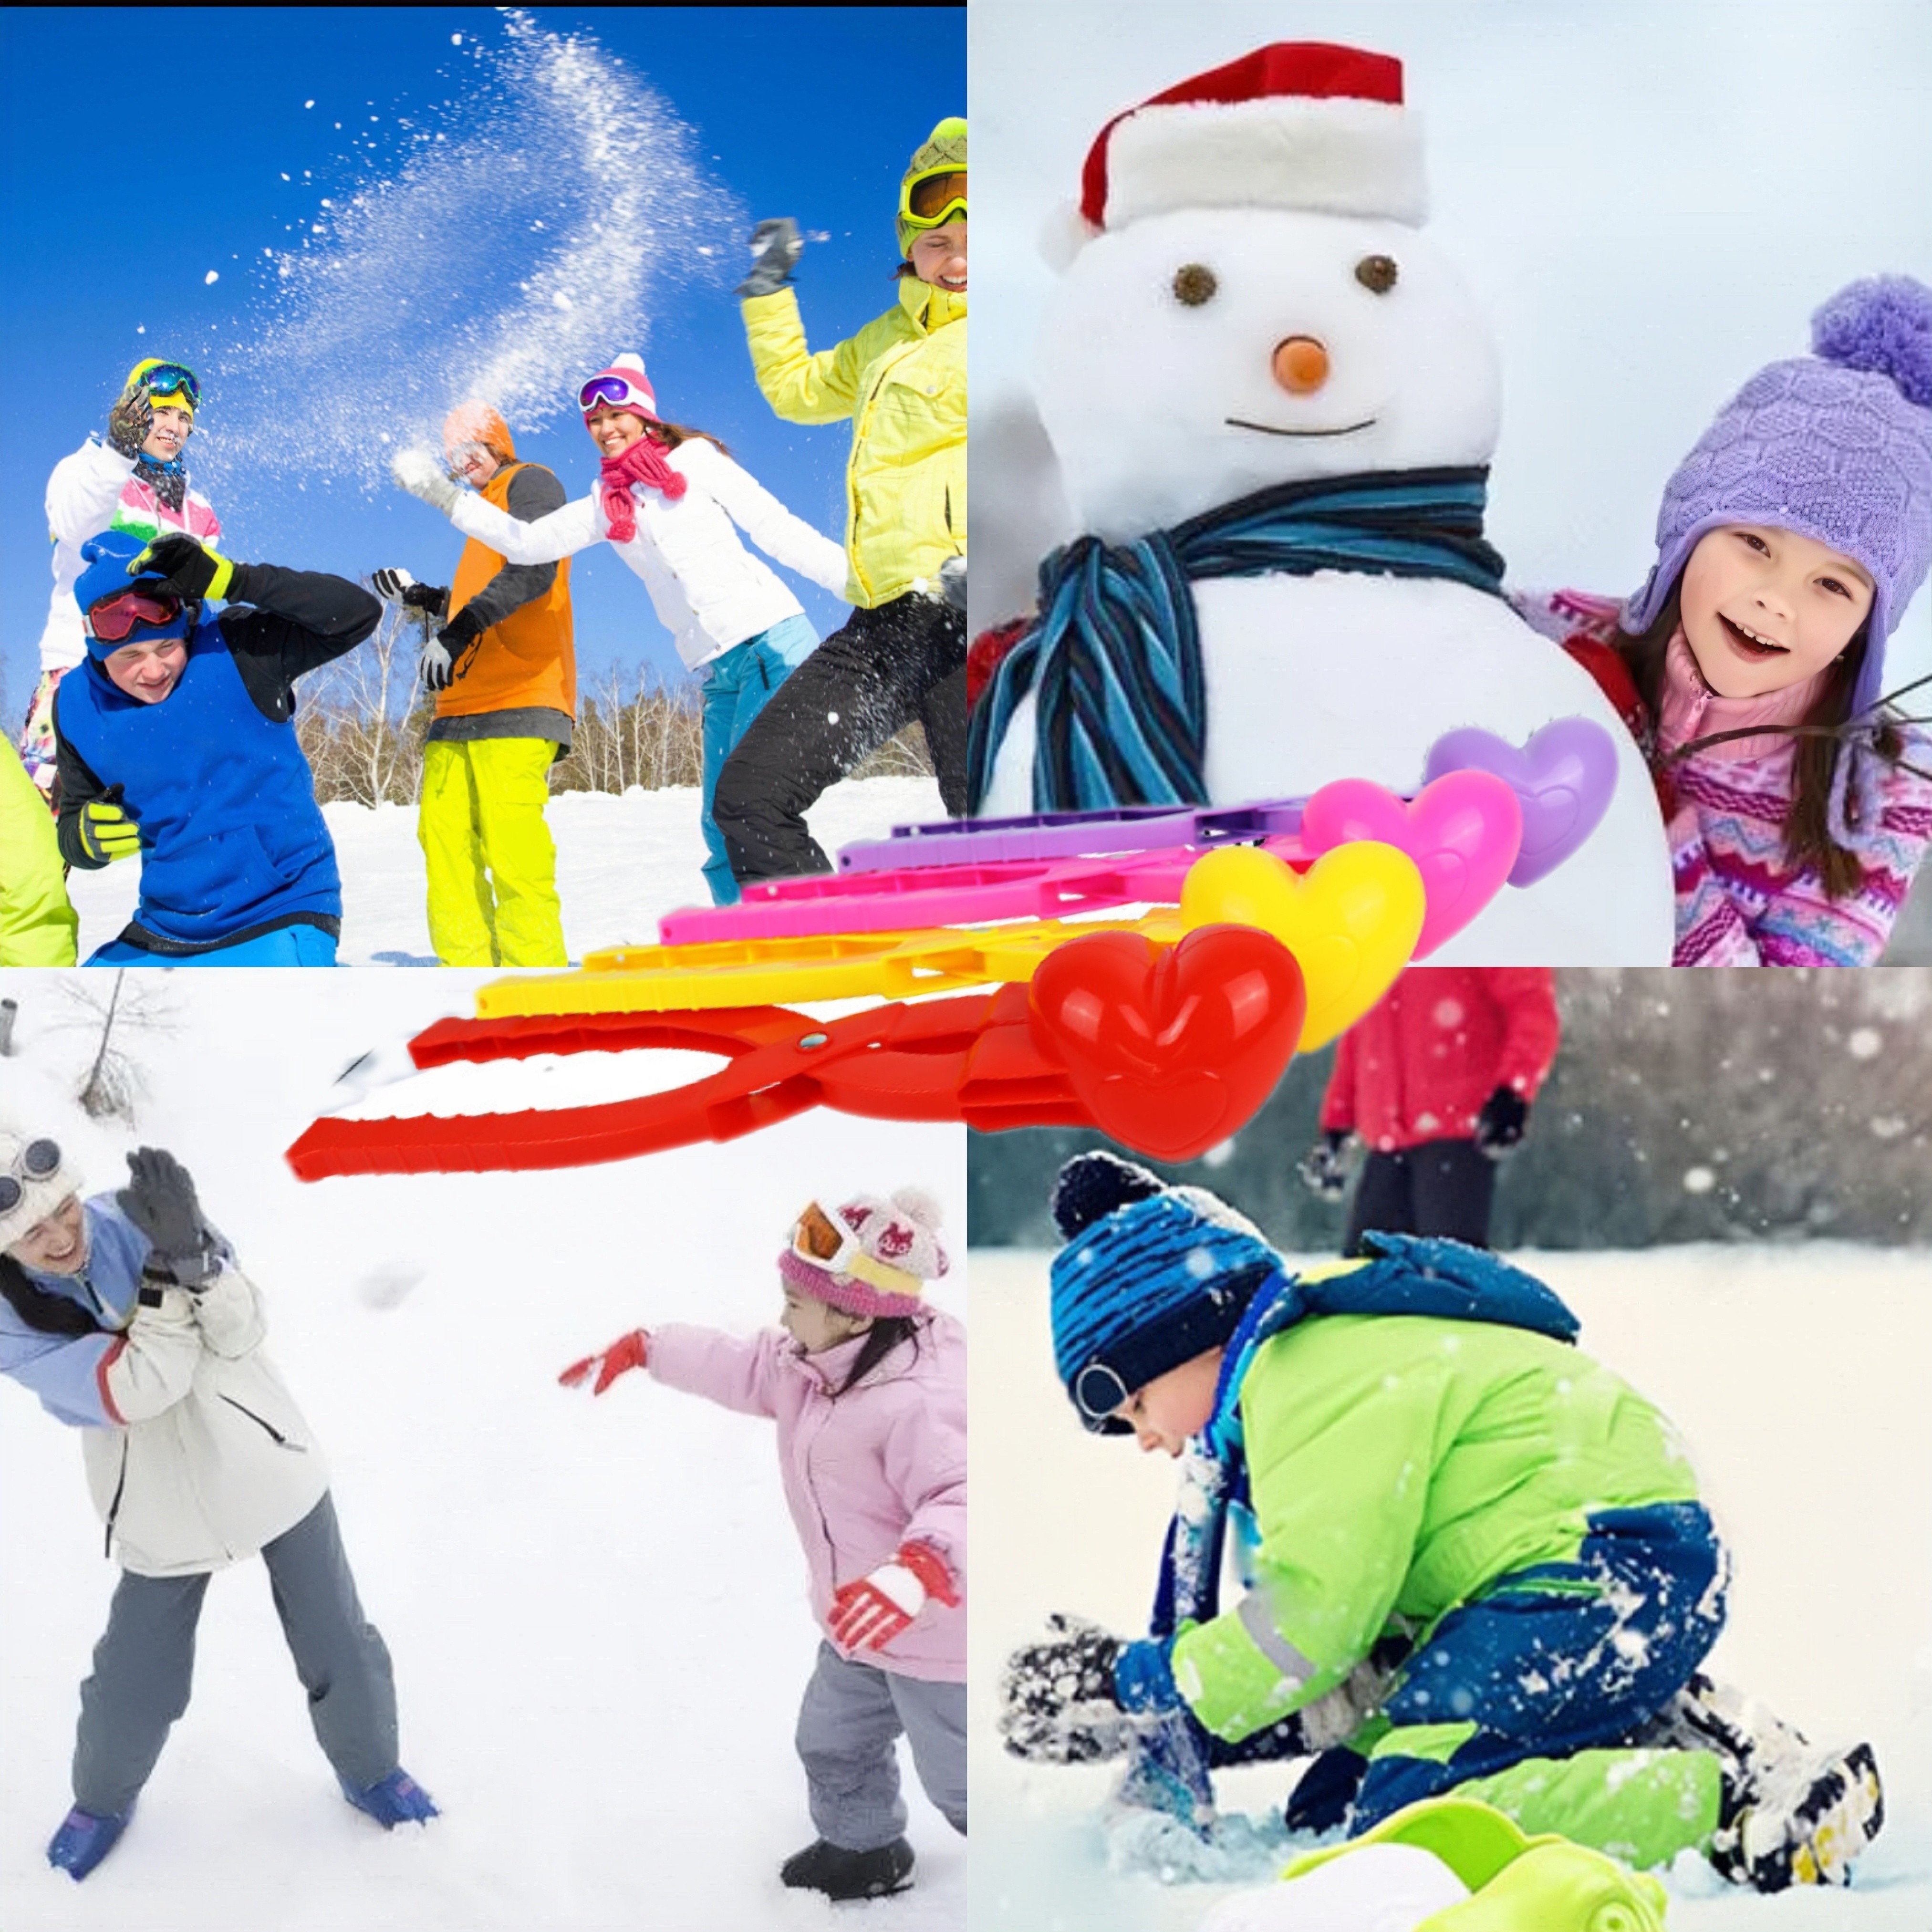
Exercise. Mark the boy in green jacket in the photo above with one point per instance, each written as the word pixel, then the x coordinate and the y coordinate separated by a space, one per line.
pixel 1473 1559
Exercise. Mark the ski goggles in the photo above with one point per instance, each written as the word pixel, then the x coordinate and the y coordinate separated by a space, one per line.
pixel 824 1242
pixel 931 201
pixel 1097 1391
pixel 116 617
pixel 172 379
pixel 38 1160
pixel 616 392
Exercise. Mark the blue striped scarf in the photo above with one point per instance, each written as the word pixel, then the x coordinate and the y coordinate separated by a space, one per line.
pixel 1115 654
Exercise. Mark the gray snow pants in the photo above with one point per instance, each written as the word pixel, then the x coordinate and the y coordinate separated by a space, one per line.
pixel 144 1664
pixel 851 1720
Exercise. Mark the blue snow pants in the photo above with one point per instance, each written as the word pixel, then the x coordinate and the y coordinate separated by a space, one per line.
pixel 1558 1658
pixel 737 686
pixel 286 946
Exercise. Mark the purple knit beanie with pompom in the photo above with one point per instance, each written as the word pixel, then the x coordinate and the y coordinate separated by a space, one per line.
pixel 1836 445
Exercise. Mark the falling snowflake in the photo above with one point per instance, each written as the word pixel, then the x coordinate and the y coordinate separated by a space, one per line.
pixel 1864 1043
pixel 1699 1180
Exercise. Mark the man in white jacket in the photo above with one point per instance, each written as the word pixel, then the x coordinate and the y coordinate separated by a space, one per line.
pixel 126 1315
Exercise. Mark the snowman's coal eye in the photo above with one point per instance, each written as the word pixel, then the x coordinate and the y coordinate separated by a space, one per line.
pixel 1376 273
pixel 1194 285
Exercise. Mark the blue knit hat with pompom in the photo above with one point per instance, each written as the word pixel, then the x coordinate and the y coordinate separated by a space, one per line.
pixel 1836 445
pixel 1151 1277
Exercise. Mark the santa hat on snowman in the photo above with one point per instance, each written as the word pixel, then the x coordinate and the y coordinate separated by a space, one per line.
pixel 1291 401
pixel 1301 123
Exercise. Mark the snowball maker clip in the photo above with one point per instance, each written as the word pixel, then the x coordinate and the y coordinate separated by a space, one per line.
pixel 1167 1049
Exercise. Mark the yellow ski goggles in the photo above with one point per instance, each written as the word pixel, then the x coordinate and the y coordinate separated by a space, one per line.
pixel 931 200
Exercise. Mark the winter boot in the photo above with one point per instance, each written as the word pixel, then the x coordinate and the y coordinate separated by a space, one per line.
pixel 84 1839
pixel 398 1799
pixel 1800 1821
pixel 840 1874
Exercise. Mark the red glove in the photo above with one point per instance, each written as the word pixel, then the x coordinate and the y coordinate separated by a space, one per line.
pixel 628 1351
pixel 867 1615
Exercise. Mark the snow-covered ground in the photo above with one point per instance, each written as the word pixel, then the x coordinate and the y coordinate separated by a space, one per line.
pixel 1797 1376
pixel 596 1607
pixel 621 863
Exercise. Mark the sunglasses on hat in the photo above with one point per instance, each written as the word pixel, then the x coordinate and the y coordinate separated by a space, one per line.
pixel 823 1241
pixel 172 379
pixel 116 617
pixel 930 201
pixel 616 392
pixel 37 1160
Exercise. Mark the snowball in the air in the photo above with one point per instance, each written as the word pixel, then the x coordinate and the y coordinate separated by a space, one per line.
pixel 213 275
pixel 308 103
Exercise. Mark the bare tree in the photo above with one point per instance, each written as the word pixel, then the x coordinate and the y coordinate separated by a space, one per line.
pixel 114 1082
pixel 356 725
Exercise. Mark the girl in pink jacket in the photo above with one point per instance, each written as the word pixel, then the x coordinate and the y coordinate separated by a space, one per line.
pixel 868 1386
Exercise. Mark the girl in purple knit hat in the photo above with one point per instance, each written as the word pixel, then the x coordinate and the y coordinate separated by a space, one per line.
pixel 1751 664
pixel 867 1384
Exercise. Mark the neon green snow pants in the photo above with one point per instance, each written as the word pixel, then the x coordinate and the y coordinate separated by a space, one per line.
pixel 491 861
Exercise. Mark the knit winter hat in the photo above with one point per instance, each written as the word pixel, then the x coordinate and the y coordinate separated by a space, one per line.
pixel 107 557
pixel 898 1241
pixel 945 147
pixel 474 422
pixel 1151 1277
pixel 40 1193
pixel 630 367
pixel 1836 445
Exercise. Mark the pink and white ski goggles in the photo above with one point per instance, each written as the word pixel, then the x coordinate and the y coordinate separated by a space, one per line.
pixel 616 389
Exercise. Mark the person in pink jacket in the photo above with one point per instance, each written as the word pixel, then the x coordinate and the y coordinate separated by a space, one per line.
pixel 867 1384
pixel 1436 1083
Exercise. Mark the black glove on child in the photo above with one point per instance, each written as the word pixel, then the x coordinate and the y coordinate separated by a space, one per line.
pixel 446 660
pixel 1057 1702
pixel 131 421
pixel 159 1200
pixel 1499 1125
pixel 778 245
pixel 1321 1167
pixel 398 587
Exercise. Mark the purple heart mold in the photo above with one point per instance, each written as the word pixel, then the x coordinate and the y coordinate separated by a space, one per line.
pixel 1564 778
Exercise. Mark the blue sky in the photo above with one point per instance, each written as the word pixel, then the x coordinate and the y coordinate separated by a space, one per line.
pixel 116 212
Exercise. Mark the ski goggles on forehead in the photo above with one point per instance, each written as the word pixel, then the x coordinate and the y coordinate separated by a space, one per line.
pixel 37 1161
pixel 173 379
pixel 116 617
pixel 822 1240
pixel 930 200
pixel 614 392
pixel 1098 1391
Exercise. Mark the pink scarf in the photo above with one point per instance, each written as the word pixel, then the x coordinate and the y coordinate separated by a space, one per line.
pixel 1691 709
pixel 643 462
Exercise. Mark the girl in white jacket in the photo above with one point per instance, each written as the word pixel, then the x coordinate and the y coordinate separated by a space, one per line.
pixel 137 481
pixel 666 502
pixel 127 1316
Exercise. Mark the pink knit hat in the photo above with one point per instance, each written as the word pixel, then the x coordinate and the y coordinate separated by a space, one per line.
pixel 889 1250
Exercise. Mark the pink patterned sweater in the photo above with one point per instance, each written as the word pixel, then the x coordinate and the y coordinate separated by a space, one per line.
pixel 1741 900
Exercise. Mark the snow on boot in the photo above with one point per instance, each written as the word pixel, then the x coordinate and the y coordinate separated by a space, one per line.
pixel 1705 1715
pixel 398 1799
pixel 1803 1820
pixel 843 1875
pixel 84 1839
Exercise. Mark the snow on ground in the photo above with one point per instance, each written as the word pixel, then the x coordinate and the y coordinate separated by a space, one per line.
pixel 1798 1376
pixel 596 1607
pixel 622 861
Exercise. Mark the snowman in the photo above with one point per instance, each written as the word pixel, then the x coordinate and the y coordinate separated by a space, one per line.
pixel 1274 402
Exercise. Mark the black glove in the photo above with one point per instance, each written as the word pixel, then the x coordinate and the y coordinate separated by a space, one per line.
pixel 1499 1125
pixel 131 421
pixel 952 582
pixel 1057 1702
pixel 446 660
pixel 194 571
pixel 778 245
pixel 1321 1167
pixel 398 587
pixel 160 1200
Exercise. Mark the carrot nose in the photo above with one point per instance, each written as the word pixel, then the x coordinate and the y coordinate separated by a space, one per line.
pixel 1301 365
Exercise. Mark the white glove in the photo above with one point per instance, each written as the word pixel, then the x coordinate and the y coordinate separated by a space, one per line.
pixel 389 585
pixel 422 475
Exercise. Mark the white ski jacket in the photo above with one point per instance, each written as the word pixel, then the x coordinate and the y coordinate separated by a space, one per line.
pixel 708 590
pixel 95 490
